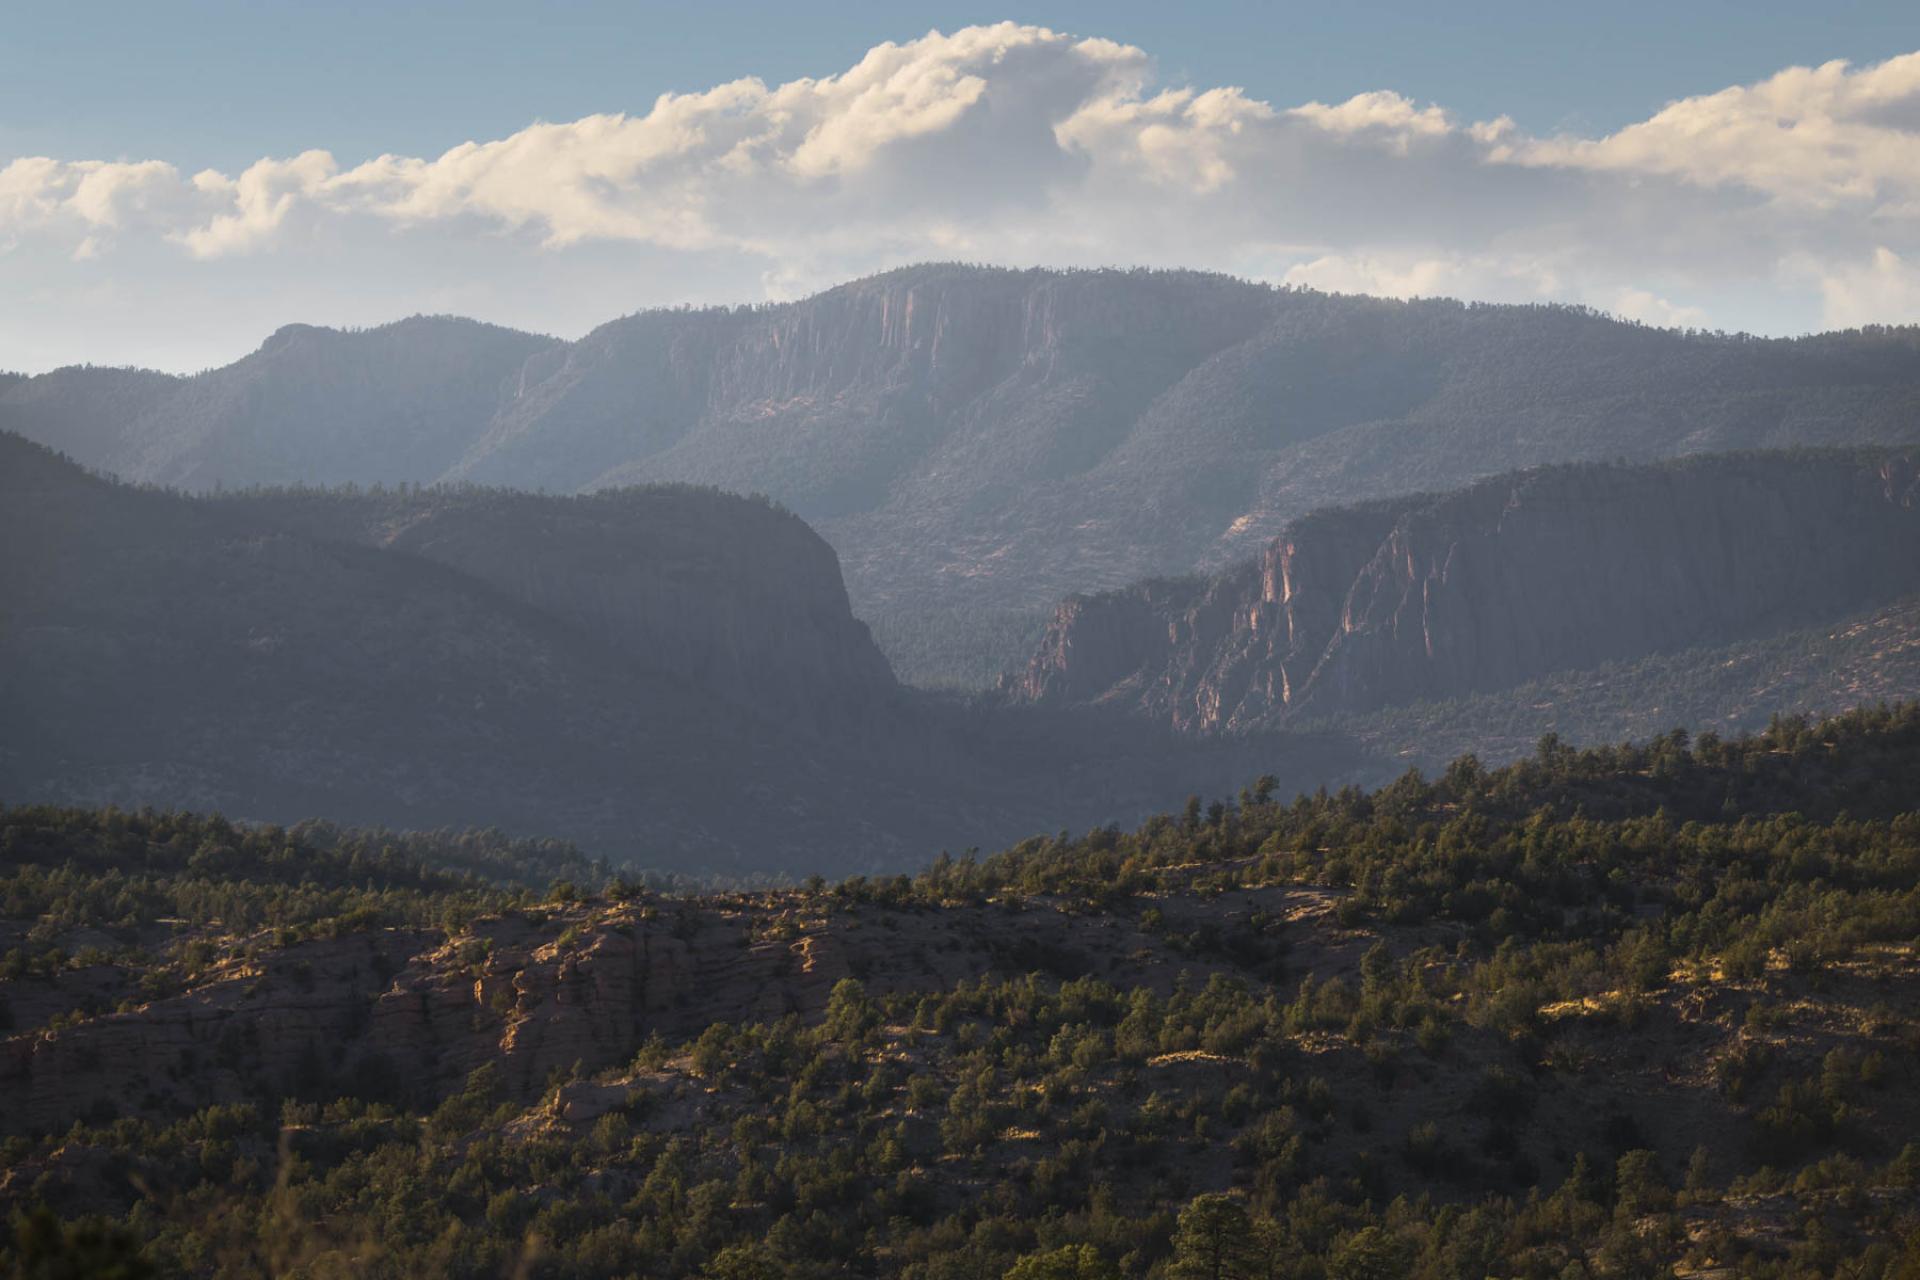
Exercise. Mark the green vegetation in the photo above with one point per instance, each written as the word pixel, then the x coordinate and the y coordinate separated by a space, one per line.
pixel 1630 1011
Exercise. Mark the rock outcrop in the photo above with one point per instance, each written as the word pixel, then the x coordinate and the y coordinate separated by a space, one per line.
pixel 410 1014
pixel 1553 570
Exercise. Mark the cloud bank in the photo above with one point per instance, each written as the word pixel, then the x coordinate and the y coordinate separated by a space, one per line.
pixel 1788 204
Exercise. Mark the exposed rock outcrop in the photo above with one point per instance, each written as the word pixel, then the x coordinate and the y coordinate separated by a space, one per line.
pixel 1552 570
pixel 412 1013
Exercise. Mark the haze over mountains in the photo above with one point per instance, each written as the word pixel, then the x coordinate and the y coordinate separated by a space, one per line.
pixel 667 675
pixel 682 676
pixel 977 442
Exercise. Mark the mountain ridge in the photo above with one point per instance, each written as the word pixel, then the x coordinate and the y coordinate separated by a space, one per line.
pixel 988 439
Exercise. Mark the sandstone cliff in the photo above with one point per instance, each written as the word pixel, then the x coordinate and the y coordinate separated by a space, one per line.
pixel 1432 598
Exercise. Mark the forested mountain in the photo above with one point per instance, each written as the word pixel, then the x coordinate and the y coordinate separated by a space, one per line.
pixel 87 412
pixel 1514 579
pixel 1626 1012
pixel 978 443
pixel 669 675
pixel 312 406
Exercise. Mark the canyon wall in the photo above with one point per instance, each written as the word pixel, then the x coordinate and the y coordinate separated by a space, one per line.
pixel 1552 570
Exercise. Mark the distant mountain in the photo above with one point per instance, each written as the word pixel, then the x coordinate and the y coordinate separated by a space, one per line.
pixel 311 406
pixel 1558 570
pixel 978 443
pixel 87 412
pixel 669 675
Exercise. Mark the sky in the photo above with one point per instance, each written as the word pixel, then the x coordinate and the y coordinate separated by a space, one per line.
pixel 178 180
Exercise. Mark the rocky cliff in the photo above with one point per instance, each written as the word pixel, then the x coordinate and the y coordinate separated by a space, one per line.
pixel 1433 598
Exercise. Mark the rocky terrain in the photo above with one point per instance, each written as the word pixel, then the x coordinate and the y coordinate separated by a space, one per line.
pixel 984 442
pixel 549 989
pixel 1555 571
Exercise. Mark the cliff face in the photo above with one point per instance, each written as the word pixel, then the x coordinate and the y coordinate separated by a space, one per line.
pixel 843 404
pixel 1546 571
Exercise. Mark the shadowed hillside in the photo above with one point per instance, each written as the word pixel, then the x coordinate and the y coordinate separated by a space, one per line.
pixel 668 675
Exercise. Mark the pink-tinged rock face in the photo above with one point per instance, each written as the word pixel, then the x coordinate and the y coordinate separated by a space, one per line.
pixel 1546 571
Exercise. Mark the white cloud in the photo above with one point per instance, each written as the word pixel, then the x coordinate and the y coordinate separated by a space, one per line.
pixel 1651 308
pixel 1779 204
pixel 1827 136
pixel 1382 114
pixel 1488 277
pixel 1884 286
pixel 257 203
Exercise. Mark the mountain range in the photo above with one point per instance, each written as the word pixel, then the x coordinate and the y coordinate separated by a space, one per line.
pixel 323 581
pixel 978 443
pixel 673 676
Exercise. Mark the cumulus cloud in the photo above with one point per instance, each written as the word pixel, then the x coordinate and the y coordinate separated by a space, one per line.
pixel 1016 143
pixel 1882 286
pixel 1831 136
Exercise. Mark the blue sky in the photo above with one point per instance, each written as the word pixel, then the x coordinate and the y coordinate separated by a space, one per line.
pixel 223 83
pixel 177 179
